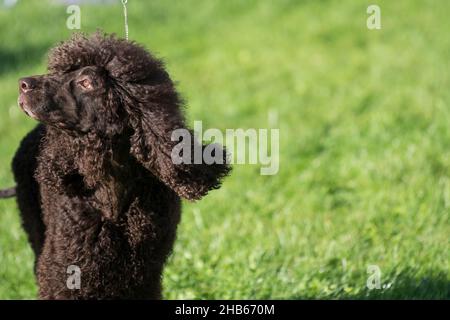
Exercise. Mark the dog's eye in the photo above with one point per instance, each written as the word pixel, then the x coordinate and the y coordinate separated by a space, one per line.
pixel 85 84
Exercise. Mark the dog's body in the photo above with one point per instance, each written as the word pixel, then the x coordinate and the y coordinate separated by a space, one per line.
pixel 118 234
pixel 96 186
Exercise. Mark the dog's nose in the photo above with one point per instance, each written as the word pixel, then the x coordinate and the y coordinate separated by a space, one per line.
pixel 27 84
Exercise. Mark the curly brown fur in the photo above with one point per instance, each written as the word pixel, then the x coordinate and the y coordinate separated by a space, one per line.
pixel 96 185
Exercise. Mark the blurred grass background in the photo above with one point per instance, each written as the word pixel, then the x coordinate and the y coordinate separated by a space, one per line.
pixel 364 119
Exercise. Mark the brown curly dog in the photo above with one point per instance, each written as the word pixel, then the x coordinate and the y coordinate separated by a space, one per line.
pixel 96 184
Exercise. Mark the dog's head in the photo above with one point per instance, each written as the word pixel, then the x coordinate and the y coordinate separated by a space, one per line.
pixel 78 101
pixel 110 87
pixel 97 84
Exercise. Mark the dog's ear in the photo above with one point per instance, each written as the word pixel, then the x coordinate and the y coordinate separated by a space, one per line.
pixel 163 145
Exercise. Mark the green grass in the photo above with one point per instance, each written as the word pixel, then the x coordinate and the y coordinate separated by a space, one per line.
pixel 364 119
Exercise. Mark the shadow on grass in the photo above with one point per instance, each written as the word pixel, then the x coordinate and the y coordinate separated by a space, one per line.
pixel 410 288
pixel 404 286
pixel 13 60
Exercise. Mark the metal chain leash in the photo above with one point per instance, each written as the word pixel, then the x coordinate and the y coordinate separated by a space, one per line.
pixel 125 14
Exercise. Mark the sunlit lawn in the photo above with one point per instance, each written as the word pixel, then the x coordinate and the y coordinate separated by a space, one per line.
pixel 364 119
